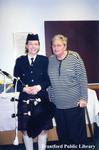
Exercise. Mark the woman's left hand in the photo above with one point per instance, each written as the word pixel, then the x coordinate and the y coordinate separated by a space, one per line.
pixel 35 89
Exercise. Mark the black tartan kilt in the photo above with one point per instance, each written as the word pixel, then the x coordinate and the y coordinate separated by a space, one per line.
pixel 40 119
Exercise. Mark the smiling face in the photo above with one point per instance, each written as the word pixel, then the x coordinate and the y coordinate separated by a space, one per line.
pixel 33 47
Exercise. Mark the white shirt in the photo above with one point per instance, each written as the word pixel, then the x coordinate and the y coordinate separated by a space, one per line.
pixel 29 58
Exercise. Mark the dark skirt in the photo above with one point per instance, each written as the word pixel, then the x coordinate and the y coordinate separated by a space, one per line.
pixel 35 119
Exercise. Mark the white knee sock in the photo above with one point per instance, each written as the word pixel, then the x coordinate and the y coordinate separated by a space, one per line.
pixel 42 139
pixel 28 141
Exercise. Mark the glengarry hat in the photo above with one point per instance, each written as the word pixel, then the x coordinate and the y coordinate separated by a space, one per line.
pixel 32 37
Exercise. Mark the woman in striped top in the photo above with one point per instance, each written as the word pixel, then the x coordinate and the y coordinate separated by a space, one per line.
pixel 68 91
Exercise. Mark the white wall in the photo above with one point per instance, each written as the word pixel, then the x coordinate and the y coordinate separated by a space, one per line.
pixel 29 15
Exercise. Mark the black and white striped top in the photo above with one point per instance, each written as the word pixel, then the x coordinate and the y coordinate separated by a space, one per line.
pixel 68 80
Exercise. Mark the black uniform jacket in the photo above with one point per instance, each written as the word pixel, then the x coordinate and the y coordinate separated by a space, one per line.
pixel 32 75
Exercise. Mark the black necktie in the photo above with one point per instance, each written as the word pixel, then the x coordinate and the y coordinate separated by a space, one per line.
pixel 32 62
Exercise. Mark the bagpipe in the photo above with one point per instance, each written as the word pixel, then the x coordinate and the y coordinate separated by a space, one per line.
pixel 5 74
pixel 40 112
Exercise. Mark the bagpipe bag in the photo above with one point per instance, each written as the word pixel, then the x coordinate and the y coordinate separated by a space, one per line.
pixel 41 115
